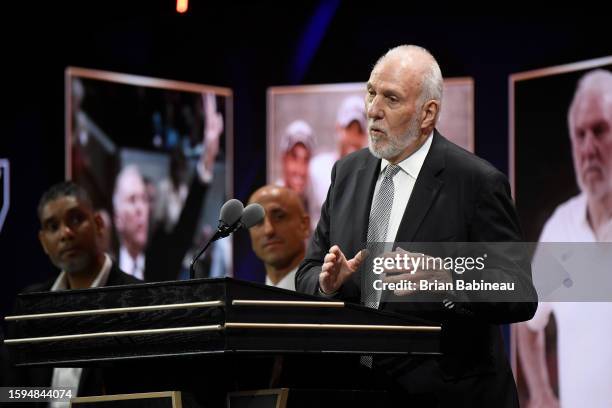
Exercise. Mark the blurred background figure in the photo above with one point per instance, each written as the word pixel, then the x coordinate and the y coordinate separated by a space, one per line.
pixel 172 192
pixel 131 215
pixel 350 131
pixel 585 378
pixel 155 252
pixel 296 148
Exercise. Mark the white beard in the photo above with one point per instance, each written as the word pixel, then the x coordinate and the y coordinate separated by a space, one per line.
pixel 395 144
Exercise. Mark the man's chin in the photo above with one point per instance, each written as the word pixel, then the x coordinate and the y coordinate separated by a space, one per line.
pixel 74 266
pixel 383 152
pixel 275 259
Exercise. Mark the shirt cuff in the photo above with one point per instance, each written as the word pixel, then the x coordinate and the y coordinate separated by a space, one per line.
pixel 326 295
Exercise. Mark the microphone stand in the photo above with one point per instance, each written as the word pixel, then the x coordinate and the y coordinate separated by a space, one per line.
pixel 223 230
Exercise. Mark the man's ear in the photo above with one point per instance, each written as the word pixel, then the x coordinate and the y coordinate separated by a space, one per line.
pixel 99 224
pixel 42 241
pixel 429 113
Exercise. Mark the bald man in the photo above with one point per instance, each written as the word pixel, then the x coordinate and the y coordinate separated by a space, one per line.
pixel 414 186
pixel 279 240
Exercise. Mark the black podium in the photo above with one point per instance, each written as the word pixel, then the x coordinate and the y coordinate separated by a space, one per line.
pixel 208 335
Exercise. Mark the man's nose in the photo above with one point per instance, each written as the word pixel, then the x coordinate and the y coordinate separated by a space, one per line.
pixel 373 108
pixel 268 227
pixel 141 207
pixel 66 232
pixel 589 144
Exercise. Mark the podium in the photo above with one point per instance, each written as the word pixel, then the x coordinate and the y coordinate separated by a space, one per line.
pixel 203 323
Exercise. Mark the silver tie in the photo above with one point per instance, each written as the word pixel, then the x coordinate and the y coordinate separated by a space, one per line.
pixel 377 231
pixel 377 234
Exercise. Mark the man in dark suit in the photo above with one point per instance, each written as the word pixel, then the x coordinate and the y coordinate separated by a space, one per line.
pixel 70 235
pixel 413 185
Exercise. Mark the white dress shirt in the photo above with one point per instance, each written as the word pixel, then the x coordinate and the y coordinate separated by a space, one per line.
pixel 69 377
pixel 403 184
pixel 584 329
pixel 129 265
pixel 288 281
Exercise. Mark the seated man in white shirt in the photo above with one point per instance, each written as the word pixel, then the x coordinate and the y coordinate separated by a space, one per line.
pixel 280 239
pixel 71 234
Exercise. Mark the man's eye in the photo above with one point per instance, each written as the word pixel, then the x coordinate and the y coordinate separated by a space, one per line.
pixel 52 226
pixel 76 219
pixel 600 129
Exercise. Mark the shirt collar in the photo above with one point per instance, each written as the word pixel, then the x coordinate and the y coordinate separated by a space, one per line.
pixel 61 283
pixel 287 282
pixel 130 265
pixel 413 163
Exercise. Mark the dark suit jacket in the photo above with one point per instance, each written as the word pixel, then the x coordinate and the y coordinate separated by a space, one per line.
pixel 91 381
pixel 165 251
pixel 457 197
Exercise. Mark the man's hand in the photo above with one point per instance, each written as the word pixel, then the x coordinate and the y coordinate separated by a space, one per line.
pixel 420 267
pixel 337 269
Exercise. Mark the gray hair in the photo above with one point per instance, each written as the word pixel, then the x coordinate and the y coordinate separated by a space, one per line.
pixel 433 84
pixel 598 82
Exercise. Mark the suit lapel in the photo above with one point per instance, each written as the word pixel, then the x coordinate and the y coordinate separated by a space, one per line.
pixel 364 189
pixel 425 191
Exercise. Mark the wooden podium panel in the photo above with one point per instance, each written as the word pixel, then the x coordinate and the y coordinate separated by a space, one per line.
pixel 202 317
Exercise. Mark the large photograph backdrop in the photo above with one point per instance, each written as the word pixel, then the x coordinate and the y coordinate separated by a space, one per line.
pixel 310 127
pixel 155 155
pixel 561 173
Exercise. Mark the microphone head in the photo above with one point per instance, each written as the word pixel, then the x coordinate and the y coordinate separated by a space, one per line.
pixel 253 214
pixel 231 212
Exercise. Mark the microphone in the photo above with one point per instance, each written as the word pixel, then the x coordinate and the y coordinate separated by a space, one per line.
pixel 230 212
pixel 253 214
pixel 229 220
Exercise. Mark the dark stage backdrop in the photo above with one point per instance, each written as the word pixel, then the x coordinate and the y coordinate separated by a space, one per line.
pixel 246 48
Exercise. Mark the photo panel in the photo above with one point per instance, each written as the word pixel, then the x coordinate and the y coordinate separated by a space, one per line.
pixel 561 170
pixel 155 155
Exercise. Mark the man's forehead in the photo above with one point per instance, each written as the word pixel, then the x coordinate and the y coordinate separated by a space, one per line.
pixel 591 107
pixel 387 76
pixel 269 196
pixel 60 205
pixel 299 151
pixel 274 197
pixel 131 184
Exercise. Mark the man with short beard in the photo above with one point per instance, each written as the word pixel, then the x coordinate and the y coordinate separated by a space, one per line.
pixel 413 185
pixel 71 234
